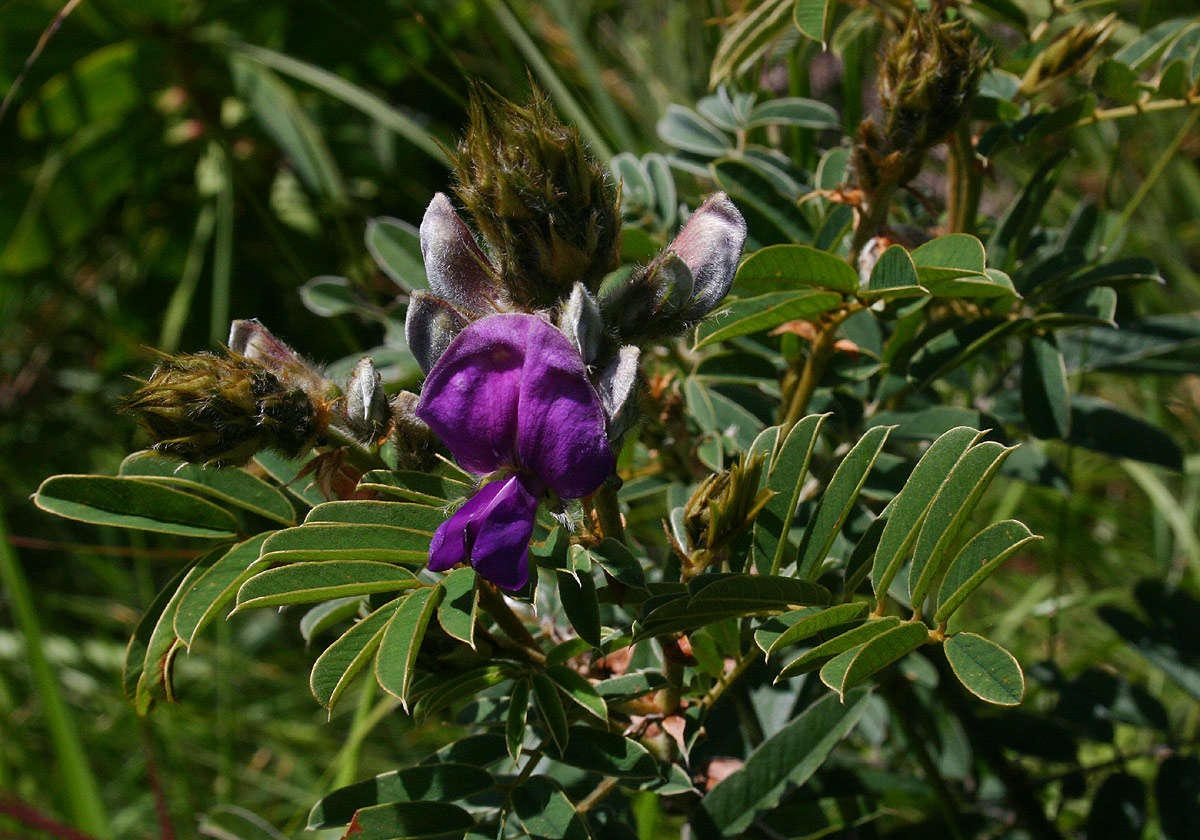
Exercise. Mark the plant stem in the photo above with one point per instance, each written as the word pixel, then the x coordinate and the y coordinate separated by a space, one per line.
pixel 870 222
pixel 608 512
pixel 1103 114
pixel 714 694
pixel 83 800
pixel 814 367
pixel 965 182
pixel 602 790
pixel 495 605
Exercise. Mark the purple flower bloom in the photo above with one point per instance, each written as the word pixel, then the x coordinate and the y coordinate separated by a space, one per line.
pixel 511 393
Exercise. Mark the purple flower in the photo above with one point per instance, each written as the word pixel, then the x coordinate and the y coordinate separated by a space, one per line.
pixel 511 393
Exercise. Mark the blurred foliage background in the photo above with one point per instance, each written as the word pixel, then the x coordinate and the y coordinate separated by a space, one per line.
pixel 170 164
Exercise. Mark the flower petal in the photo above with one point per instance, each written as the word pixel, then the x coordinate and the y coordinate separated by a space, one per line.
pixel 710 244
pixel 457 270
pixel 450 545
pixel 470 398
pixel 561 426
pixel 499 535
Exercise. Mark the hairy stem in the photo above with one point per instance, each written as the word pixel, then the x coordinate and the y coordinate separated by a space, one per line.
pixel 814 367
pixel 495 606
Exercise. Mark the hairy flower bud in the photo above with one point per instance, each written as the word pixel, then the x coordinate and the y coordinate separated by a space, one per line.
pixel 546 207
pixel 1067 52
pixel 221 410
pixel 365 407
pixel 683 283
pixel 251 339
pixel 721 507
pixel 927 78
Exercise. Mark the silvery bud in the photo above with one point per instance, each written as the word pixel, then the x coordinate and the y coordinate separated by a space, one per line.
pixel 457 270
pixel 429 326
pixel 366 409
pixel 581 322
pixel 251 339
pixel 617 385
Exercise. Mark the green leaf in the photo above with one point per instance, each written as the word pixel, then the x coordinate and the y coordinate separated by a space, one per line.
pixel 546 813
pixel 685 129
pixel 459 609
pixel 764 312
pixel 788 758
pixel 402 640
pixel 446 692
pixel 748 39
pixel 756 592
pixel 435 782
pixel 514 724
pixel 616 559
pixel 955 500
pixel 135 651
pixel 578 596
pixel 838 499
pixel 303 583
pixel 976 562
pixel 550 707
pixel 785 477
pixel 721 416
pixel 396 248
pixel 134 503
pixel 608 753
pixel 663 181
pixel 814 18
pixel 216 587
pixel 907 511
pixel 1138 52
pixel 876 654
pixel 1045 393
pixel 949 257
pixel 783 267
pixel 414 517
pixel 789 110
pixel 410 821
pixel 100 87
pixel 154 681
pixel 636 189
pixel 1102 427
pixel 326 614
pixel 894 276
pixel 814 621
pixel 579 691
pixel 630 685
pixel 347 542
pixel 985 669
pixel 275 106
pixel 287 473
pixel 1177 792
pixel 330 296
pixel 817 656
pixel 230 486
pixel 349 93
pixel 341 662
pixel 421 488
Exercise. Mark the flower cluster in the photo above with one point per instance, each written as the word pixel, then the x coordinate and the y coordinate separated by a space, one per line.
pixel 532 360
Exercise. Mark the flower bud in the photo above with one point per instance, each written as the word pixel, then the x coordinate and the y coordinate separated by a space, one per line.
pixel 581 322
pixel 721 507
pixel 546 207
pixel 221 410
pixel 414 442
pixel 1066 53
pixel 366 409
pixel 616 386
pixel 429 326
pixel 683 283
pixel 927 78
pixel 251 339
pixel 457 270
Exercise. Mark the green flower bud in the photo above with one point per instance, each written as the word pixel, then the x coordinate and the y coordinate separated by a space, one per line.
pixel 1067 53
pixel 221 410
pixel 547 208
pixel 724 505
